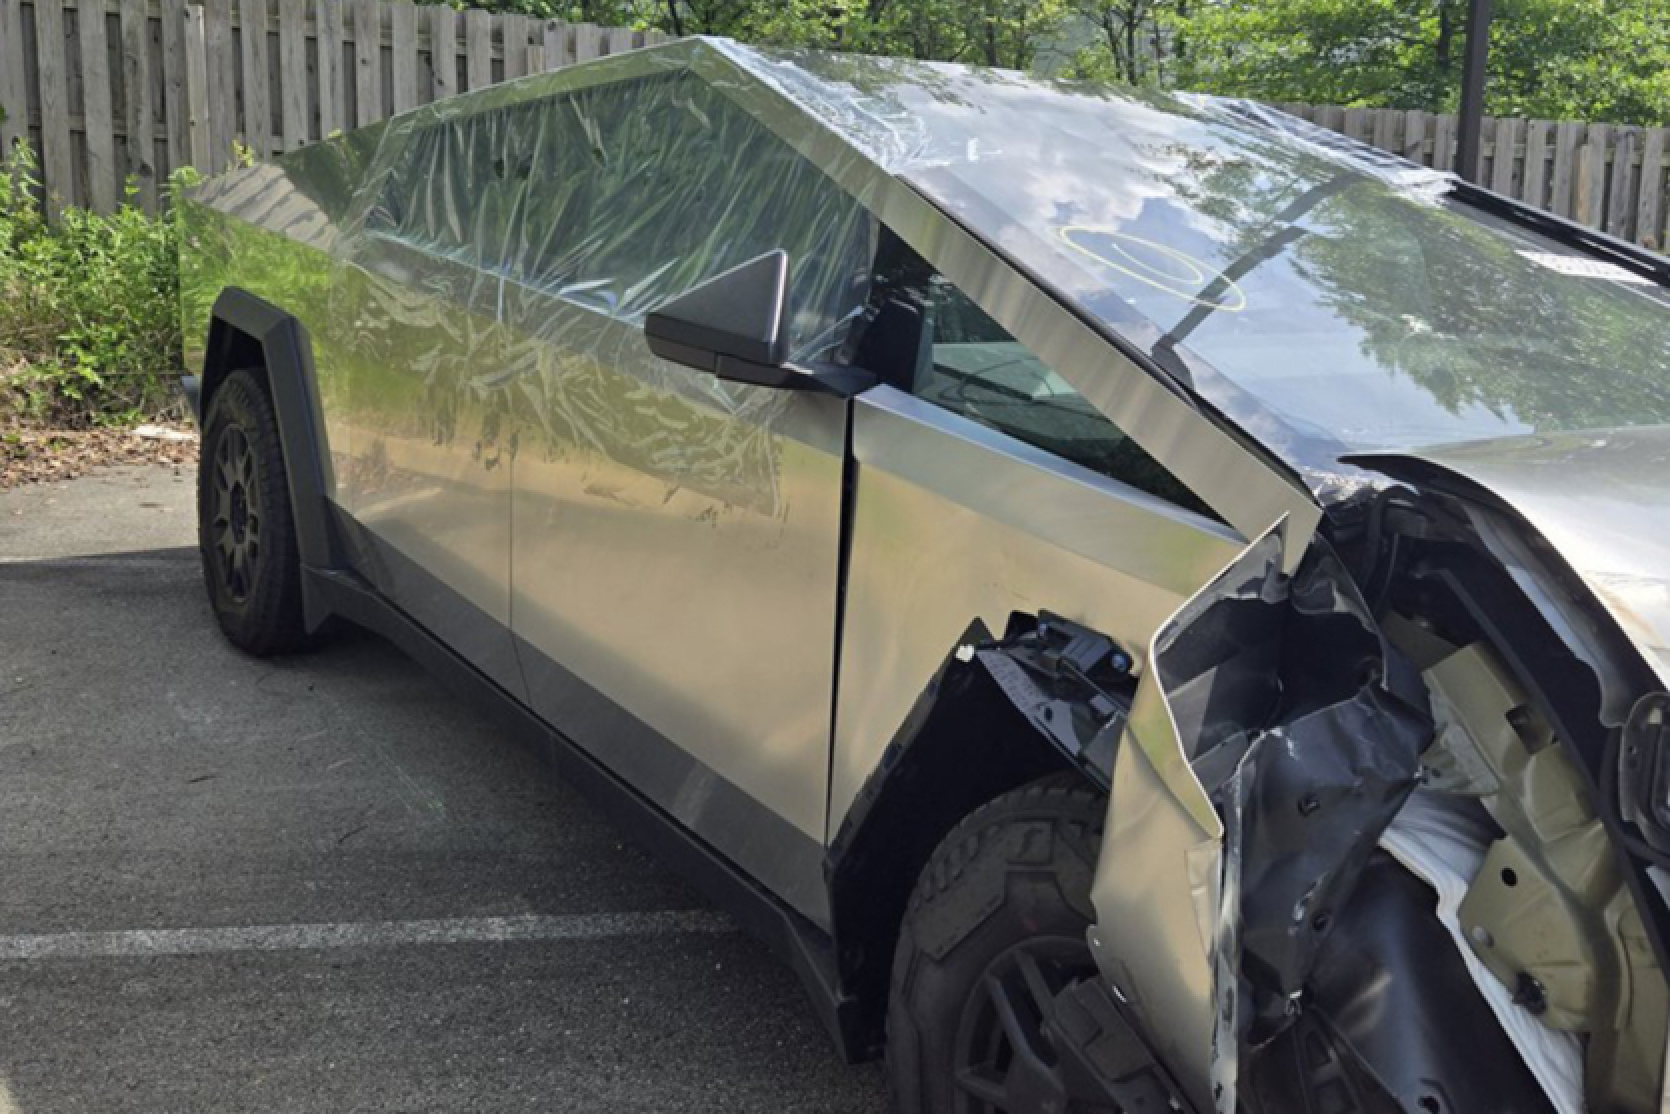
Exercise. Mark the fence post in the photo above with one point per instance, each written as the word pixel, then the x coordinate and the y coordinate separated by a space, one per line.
pixel 1443 143
pixel 1502 150
pixel 588 42
pixel 1566 135
pixel 555 45
pixel 1414 136
pixel 95 99
pixel 175 114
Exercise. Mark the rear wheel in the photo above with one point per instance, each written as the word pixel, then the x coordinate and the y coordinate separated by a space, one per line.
pixel 245 529
pixel 994 931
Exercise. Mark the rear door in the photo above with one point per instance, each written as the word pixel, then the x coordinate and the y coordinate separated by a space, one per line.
pixel 676 540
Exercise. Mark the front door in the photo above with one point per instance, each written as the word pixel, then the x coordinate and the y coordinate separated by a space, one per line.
pixel 676 540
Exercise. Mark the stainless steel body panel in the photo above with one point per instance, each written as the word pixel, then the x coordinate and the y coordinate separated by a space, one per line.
pixel 677 549
pixel 1159 882
pixel 263 229
pixel 954 522
pixel 429 469
pixel 1602 499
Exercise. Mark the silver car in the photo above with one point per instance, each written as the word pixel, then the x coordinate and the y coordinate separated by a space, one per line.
pixel 1146 604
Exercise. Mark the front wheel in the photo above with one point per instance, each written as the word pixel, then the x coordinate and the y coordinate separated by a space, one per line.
pixel 246 532
pixel 994 930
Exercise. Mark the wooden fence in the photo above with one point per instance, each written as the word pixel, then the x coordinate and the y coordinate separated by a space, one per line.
pixel 158 84
pixel 1607 176
pixel 151 85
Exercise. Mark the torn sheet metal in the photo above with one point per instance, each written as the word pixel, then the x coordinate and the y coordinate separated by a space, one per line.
pixel 1306 726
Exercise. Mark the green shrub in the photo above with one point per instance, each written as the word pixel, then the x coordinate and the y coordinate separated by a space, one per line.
pixel 89 308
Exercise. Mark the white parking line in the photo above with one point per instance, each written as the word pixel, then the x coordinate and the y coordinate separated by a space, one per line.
pixel 101 561
pixel 147 942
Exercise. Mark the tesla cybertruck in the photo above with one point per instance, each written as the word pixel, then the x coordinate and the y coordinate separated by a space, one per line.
pixel 1146 604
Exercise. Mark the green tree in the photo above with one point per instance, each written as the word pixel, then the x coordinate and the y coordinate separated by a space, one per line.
pixel 1129 42
pixel 1588 59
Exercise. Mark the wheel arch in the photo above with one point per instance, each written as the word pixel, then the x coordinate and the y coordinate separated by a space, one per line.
pixel 965 742
pixel 248 332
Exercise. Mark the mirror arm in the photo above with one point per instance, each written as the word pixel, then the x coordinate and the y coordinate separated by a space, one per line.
pixel 836 379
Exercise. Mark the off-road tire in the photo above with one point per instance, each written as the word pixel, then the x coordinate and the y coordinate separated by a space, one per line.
pixel 243 504
pixel 1014 874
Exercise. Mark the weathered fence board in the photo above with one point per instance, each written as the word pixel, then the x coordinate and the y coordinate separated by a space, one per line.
pixel 292 68
pixel 443 51
pixel 100 165
pixel 404 59
pixel 14 92
pixel 255 82
pixel 1533 187
pixel 222 78
pixel 154 85
pixel 139 118
pixel 1609 177
pixel 368 57
pixel 333 82
pixel 52 72
pixel 1650 216
pixel 478 48
pixel 197 87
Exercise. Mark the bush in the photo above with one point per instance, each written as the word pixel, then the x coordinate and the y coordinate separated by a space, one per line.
pixel 89 308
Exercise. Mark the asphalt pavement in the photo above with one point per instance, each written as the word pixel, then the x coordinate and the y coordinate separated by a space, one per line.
pixel 321 883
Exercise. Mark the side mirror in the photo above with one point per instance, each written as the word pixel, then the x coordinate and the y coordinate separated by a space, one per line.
pixel 735 326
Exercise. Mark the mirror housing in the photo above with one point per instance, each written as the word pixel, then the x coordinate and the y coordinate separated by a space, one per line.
pixel 735 326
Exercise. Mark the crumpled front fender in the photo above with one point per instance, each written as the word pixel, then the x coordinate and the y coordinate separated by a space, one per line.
pixel 1272 740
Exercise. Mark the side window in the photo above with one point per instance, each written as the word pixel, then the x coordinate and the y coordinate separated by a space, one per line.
pixel 925 336
pixel 620 196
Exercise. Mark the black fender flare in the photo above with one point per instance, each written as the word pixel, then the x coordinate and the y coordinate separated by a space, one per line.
pixel 995 715
pixel 247 331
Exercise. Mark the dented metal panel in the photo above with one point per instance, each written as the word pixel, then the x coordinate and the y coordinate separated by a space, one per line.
pixel 953 521
pixel 1303 726
pixel 1601 499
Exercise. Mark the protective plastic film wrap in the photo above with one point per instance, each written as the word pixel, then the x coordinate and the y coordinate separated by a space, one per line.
pixel 561 217
pixel 1322 294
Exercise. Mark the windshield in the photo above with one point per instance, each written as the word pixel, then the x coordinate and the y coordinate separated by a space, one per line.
pixel 1326 297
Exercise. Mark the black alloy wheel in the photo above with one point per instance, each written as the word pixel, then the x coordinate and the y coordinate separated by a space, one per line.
pixel 1006 1059
pixel 245 529
pixel 235 528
